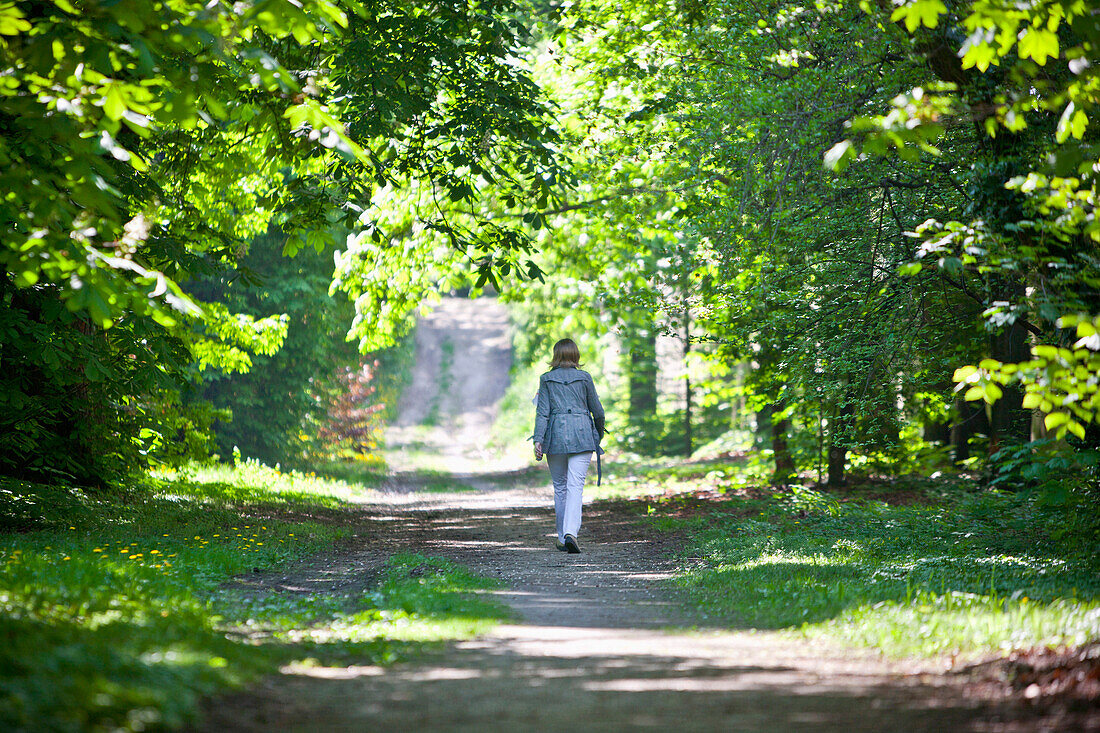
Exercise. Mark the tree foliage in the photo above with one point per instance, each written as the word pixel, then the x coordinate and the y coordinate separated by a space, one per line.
pixel 144 147
pixel 807 155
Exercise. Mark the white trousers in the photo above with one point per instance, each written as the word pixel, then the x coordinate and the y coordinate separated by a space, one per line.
pixel 567 471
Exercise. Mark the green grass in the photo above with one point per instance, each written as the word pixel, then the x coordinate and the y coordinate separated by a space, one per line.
pixel 633 476
pixel 515 418
pixel 446 381
pixel 430 480
pixel 960 573
pixel 118 611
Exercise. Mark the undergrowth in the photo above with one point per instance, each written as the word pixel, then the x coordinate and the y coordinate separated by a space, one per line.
pixel 117 610
pixel 959 572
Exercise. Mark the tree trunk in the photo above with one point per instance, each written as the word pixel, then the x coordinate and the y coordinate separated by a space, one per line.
pixel 838 459
pixel 971 421
pixel 687 383
pixel 838 449
pixel 642 378
pixel 781 452
pixel 1009 421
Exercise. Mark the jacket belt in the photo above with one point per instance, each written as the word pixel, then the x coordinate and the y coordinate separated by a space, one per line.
pixel 599 462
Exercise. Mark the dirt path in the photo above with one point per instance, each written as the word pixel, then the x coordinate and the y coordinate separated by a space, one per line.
pixel 463 358
pixel 601 641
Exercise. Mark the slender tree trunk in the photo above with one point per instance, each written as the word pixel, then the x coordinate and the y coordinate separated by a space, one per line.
pixel 961 432
pixel 838 459
pixel 642 387
pixel 1009 421
pixel 781 452
pixel 971 421
pixel 687 383
pixel 838 449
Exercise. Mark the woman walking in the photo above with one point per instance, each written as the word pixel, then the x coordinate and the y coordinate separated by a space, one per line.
pixel 569 421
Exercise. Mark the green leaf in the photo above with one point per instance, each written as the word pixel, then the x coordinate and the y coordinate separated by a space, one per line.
pixel 1039 45
pixel 1032 401
pixel 12 22
pixel 114 102
pixel 1072 122
pixel 964 373
pixel 1076 428
pixel 992 392
pixel 920 12
pixel 910 268
pixel 1055 419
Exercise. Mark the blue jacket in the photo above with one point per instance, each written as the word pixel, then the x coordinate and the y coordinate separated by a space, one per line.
pixel 568 415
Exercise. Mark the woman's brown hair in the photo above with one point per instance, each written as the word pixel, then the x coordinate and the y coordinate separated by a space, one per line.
pixel 566 354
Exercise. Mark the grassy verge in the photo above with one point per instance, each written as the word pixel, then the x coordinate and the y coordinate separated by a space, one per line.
pixel 951 571
pixel 116 612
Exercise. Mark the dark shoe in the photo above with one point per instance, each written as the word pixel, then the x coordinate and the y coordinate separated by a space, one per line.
pixel 560 546
pixel 571 545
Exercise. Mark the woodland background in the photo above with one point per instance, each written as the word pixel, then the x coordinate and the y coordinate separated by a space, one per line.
pixel 871 226
pixel 813 243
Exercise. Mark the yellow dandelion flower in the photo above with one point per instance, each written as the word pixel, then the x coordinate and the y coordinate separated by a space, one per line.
pixel 154 552
pixel 97 550
pixel 72 527
pixel 66 558
pixel 136 557
pixel 259 543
